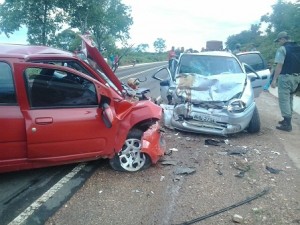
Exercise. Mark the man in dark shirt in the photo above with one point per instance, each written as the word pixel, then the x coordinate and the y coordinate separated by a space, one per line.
pixel 287 71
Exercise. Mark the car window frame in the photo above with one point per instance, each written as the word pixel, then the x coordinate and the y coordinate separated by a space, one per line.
pixel 62 69
pixel 14 101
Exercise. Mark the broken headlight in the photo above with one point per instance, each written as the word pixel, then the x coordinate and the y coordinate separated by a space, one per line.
pixel 236 105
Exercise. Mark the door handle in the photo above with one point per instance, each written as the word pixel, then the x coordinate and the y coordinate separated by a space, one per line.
pixel 44 120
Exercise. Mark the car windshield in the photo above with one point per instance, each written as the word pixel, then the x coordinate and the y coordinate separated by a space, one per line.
pixel 207 65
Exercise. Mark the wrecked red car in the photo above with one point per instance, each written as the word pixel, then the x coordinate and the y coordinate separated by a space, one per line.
pixel 57 107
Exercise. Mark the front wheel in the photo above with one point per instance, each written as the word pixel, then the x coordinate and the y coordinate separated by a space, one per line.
pixel 130 158
pixel 254 125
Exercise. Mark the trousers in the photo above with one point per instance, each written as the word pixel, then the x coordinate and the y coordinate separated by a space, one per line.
pixel 287 84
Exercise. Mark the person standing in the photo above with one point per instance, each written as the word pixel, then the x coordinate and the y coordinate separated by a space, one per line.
pixel 287 72
pixel 171 56
pixel 237 48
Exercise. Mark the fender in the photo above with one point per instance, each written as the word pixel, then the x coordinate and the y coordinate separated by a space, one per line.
pixel 140 111
pixel 153 142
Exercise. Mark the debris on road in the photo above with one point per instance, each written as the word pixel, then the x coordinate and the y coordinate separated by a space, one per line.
pixel 272 170
pixel 184 171
pixel 214 142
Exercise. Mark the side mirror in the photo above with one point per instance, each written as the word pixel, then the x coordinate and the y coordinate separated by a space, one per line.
pixel 107 115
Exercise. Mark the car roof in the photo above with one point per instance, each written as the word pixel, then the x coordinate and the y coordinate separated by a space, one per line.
pixel 248 52
pixel 28 51
pixel 211 53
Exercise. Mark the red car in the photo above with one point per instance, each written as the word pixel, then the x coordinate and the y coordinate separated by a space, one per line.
pixel 57 107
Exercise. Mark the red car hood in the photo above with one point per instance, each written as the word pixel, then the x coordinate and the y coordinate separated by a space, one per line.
pixel 91 52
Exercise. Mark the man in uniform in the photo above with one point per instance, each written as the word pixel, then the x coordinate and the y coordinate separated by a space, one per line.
pixel 287 72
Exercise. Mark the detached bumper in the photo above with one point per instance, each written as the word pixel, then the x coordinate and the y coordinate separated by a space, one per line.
pixel 153 143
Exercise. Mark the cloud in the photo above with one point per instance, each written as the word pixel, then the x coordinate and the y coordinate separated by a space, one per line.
pixel 191 23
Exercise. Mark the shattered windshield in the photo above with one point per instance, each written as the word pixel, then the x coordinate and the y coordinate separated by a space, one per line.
pixel 208 65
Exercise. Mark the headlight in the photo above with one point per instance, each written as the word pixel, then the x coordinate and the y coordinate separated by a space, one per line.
pixel 236 105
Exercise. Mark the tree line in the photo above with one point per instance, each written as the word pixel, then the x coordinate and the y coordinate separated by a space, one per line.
pixel 285 16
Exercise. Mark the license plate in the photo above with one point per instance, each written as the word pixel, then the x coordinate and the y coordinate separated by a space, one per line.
pixel 205 118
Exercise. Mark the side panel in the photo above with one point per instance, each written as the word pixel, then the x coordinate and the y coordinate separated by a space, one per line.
pixel 12 125
pixel 12 134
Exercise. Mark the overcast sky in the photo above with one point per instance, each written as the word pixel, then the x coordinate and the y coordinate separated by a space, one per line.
pixel 185 23
pixel 190 23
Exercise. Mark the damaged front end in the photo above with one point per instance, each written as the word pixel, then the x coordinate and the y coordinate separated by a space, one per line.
pixel 153 142
pixel 218 105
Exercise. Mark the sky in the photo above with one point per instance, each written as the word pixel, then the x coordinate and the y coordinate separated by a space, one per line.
pixel 190 23
pixel 184 23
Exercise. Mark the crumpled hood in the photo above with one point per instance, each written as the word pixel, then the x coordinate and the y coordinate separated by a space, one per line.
pixel 196 88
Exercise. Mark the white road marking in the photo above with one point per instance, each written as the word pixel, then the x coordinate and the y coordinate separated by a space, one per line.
pixel 138 73
pixel 47 195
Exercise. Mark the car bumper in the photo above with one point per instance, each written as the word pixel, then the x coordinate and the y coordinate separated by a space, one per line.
pixel 219 122
pixel 153 142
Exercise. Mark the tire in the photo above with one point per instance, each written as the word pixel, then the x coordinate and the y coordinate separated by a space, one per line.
pixel 254 125
pixel 130 158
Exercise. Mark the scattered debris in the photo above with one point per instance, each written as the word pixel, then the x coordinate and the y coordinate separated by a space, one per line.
pixel 257 151
pixel 241 174
pixel 185 170
pixel 272 170
pixel 213 142
pixel 176 178
pixel 237 218
pixel 237 151
pixel 222 153
pixel 219 172
pixel 169 162
pixel 162 178
pixel 173 149
pixel 242 165
pixel 276 153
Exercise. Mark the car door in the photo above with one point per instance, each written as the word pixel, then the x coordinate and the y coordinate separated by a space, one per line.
pixel 12 124
pixel 258 64
pixel 63 120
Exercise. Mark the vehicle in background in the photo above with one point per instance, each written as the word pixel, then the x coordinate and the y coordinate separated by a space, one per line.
pixel 214 45
pixel 57 107
pixel 256 61
pixel 210 92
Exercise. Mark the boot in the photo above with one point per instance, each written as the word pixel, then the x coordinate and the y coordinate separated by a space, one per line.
pixel 285 125
pixel 281 121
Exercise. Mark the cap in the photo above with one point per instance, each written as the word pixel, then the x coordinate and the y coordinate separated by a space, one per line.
pixel 281 34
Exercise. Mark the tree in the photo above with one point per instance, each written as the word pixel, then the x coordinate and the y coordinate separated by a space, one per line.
pixel 159 45
pixel 142 47
pixel 42 18
pixel 285 17
pixel 107 20
pixel 68 40
pixel 104 19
